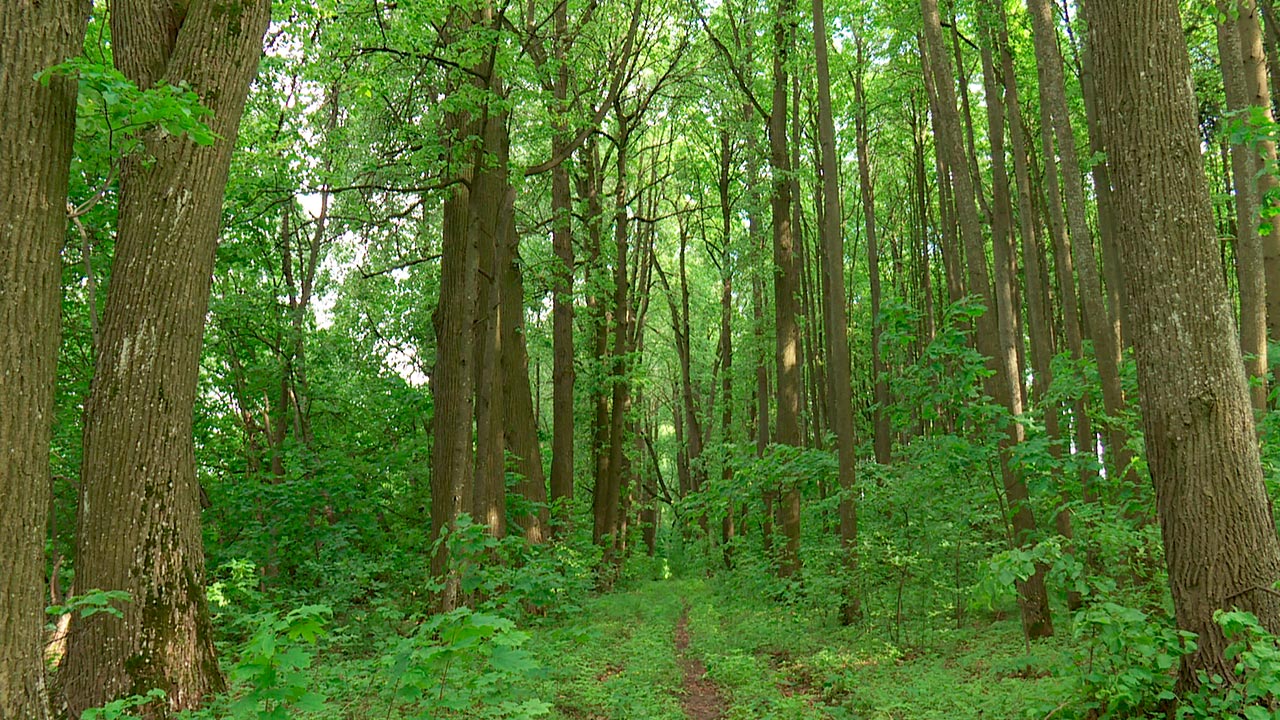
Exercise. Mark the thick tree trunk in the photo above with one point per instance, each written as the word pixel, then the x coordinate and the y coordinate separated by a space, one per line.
pixel 490 211
pixel 140 503
pixel 452 383
pixel 1220 539
pixel 839 382
pixel 35 157
pixel 786 284
pixel 521 424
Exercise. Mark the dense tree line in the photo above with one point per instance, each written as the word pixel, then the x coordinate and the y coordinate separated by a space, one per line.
pixel 324 288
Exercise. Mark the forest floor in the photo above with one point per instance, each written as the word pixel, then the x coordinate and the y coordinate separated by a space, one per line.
pixel 676 649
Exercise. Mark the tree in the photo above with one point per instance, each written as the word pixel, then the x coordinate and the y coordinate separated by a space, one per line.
pixel 1220 540
pixel 35 157
pixel 139 524
pixel 838 380
pixel 786 283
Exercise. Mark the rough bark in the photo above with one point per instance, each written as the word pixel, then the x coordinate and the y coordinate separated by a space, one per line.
pixel 452 382
pixel 521 425
pixel 786 284
pixel 35 157
pixel 139 525
pixel 1220 539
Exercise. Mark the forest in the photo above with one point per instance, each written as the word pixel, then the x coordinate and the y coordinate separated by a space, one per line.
pixel 639 359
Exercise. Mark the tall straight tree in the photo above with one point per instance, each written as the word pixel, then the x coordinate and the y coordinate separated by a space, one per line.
pixel 1220 539
pixel 140 501
pixel 1003 384
pixel 1249 254
pixel 786 282
pixel 35 156
pixel 1098 318
pixel 839 382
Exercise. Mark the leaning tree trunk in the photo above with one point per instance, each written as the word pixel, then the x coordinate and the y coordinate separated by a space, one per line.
pixel 140 502
pixel 35 157
pixel 1097 317
pixel 1220 539
pixel 1032 598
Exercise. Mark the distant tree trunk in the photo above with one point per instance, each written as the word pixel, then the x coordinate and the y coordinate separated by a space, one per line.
pixel 35 158
pixel 786 281
pixel 1220 539
pixel 140 503
pixel 728 525
pixel 1039 310
pixel 994 325
pixel 1258 95
pixel 1097 316
pixel 952 258
pixel 839 382
pixel 590 184
pixel 563 373
pixel 1249 255
pixel 882 443
pixel 620 405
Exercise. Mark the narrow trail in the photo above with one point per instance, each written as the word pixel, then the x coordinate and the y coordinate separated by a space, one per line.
pixel 702 700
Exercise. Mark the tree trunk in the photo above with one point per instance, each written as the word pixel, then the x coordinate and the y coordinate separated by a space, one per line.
pixel 1039 308
pixel 140 503
pixel 728 525
pixel 452 383
pixel 882 443
pixel 1220 539
pixel 839 382
pixel 1258 95
pixel 35 159
pixel 786 282
pixel 1097 317
pixel 490 212
pixel 1249 256
pixel 521 425
pixel 563 373
pixel 994 325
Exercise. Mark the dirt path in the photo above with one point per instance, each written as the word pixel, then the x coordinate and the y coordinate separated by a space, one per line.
pixel 701 699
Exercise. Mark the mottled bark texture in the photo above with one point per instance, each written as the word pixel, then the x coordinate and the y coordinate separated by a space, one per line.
pixel 1220 540
pixel 786 285
pixel 35 155
pixel 139 525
